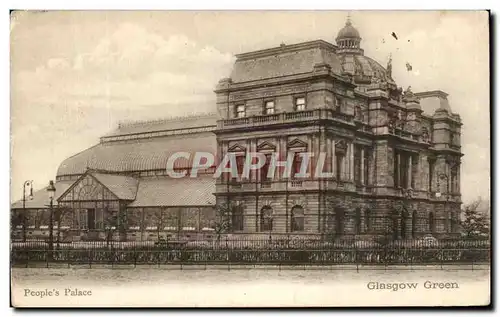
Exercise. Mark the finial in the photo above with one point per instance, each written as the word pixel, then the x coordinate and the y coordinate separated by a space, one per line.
pixel 389 66
pixel 408 93
pixel 348 21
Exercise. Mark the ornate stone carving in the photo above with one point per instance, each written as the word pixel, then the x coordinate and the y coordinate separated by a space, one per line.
pixel 425 135
pixel 341 145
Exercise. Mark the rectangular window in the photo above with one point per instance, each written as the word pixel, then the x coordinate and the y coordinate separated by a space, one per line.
pixel 414 169
pixel 357 164
pixel 431 174
pixel 396 168
pixel 401 166
pixel 366 167
pixel 240 163
pixel 297 162
pixel 269 107
pixel 240 111
pixel 300 104
pixel 265 169
pixel 404 170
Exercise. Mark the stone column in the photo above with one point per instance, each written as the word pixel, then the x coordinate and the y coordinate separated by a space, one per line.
pixel 398 162
pixel 253 149
pixel 409 171
pixel 351 161
pixel 334 159
pixel 329 156
pixel 310 144
pixel 362 176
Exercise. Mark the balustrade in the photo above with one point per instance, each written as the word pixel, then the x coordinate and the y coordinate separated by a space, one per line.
pixel 285 117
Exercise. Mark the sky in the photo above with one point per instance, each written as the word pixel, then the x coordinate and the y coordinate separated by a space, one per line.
pixel 76 74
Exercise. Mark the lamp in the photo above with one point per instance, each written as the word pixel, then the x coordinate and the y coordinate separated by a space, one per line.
pixel 51 190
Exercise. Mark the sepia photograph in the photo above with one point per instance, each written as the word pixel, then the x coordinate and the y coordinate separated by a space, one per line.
pixel 250 158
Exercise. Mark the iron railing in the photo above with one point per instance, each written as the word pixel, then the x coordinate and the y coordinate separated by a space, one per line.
pixel 256 251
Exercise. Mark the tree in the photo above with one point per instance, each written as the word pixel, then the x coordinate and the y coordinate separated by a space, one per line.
pixel 60 213
pixel 475 222
pixel 160 223
pixel 110 225
pixel 16 220
pixel 223 212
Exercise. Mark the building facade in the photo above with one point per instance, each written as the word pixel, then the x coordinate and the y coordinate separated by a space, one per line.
pixel 395 169
pixel 392 157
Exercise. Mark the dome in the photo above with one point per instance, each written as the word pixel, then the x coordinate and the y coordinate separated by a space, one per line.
pixel 364 69
pixel 348 32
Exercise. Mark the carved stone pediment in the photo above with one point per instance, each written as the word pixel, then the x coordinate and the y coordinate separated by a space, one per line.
pixel 236 148
pixel 266 146
pixel 296 143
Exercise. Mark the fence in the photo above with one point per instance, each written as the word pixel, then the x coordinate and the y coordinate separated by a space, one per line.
pixel 255 251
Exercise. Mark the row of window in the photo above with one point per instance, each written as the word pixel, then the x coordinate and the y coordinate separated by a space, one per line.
pixel 296 166
pixel 363 221
pixel 270 107
pixel 266 217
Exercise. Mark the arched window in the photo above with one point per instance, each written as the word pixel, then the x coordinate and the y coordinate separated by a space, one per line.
pixel 339 221
pixel 297 219
pixel 237 218
pixel 266 219
pixel 357 221
pixel 368 221
pixel 414 223
pixel 432 224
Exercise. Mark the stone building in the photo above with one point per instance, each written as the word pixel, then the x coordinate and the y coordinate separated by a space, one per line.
pixel 393 156
pixel 389 151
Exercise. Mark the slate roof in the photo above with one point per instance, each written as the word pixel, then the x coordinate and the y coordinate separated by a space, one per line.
pixel 136 155
pixel 285 61
pixel 164 124
pixel 124 187
pixel 40 197
pixel 145 192
pixel 175 192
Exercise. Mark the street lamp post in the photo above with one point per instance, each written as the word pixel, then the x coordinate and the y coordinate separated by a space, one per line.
pixel 439 194
pixel 26 184
pixel 51 190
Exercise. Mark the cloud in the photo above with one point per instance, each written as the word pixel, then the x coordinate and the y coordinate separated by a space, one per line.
pixel 131 64
pixel 64 105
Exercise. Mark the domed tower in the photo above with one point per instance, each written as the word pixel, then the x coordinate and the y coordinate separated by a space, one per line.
pixel 348 39
pixel 364 70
